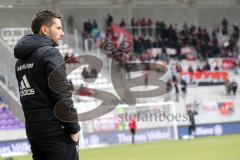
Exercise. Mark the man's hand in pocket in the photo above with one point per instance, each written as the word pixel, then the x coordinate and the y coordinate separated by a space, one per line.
pixel 75 137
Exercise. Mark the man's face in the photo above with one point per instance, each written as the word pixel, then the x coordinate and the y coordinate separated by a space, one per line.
pixel 55 32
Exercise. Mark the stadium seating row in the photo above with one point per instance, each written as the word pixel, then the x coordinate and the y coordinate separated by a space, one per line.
pixel 8 121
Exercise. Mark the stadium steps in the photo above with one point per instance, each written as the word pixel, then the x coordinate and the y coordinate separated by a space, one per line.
pixel 7 68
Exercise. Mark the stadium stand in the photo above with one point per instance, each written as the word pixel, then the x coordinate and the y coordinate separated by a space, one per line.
pixel 11 127
pixel 7 120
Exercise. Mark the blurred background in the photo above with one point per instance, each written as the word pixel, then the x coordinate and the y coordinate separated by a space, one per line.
pixel 196 40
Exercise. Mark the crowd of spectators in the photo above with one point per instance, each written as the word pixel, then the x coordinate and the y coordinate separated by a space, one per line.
pixel 204 43
pixel 199 39
pixel 220 42
pixel 158 34
pixel 231 87
pixel 90 34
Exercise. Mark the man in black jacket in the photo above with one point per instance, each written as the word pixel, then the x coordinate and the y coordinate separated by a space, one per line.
pixel 192 127
pixel 50 138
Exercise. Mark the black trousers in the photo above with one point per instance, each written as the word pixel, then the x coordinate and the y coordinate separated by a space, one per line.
pixel 54 148
pixel 191 129
pixel 133 131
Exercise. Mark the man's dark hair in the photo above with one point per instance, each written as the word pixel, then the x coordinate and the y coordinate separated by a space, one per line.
pixel 44 17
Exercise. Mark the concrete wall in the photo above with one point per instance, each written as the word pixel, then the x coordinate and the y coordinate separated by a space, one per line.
pixel 204 15
pixel 16 17
pixel 207 16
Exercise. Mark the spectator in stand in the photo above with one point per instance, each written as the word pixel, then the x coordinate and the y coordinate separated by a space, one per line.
pixel 207 67
pixel 234 87
pixel 198 69
pixel 209 51
pixel 234 36
pixel 143 25
pixel 145 57
pixel 132 57
pixel 215 48
pixel 85 73
pixel 235 52
pixel 162 30
pixel 237 68
pixel 206 36
pixel 184 88
pixel 235 31
pixel 95 34
pixel 95 24
pixel 178 51
pixel 190 69
pixel 141 45
pixel 164 56
pixel 136 45
pixel 87 39
pixel 225 26
pixel 88 26
pixel 176 88
pixel 228 87
pixel 216 68
pixel 122 23
pixel 178 68
pixel 147 44
pixel 134 27
pixel 109 20
pixel 157 32
pixel 171 36
pixel 149 25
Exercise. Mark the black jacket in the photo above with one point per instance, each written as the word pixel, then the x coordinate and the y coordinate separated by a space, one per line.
pixel 37 58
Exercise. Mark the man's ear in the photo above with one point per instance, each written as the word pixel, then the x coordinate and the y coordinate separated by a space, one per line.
pixel 44 30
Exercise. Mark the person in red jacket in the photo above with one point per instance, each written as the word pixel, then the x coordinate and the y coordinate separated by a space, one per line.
pixel 132 127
